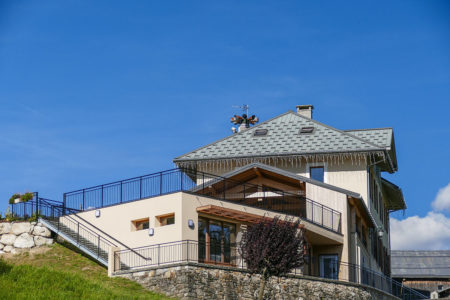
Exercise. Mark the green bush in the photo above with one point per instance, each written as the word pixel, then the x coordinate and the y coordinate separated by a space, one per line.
pixel 13 197
pixel 26 197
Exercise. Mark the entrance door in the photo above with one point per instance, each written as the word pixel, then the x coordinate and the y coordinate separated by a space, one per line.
pixel 215 241
pixel 328 266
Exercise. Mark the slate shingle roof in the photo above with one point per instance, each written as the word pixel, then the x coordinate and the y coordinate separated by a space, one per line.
pixel 379 136
pixel 283 138
pixel 420 264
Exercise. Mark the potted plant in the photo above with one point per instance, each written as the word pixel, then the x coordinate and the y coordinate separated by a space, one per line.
pixel 14 198
pixel 26 197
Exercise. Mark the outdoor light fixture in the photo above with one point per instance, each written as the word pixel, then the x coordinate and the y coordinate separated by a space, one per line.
pixel 151 231
pixel 191 223
pixel 97 213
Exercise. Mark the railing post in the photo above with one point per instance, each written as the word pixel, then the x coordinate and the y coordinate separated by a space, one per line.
pixel 121 192
pixel 64 202
pixel 102 197
pixel 140 187
pixel 78 233
pixel 187 250
pixel 98 246
pixel 83 199
pixel 322 215
pixel 181 180
pixel 203 182
pixel 332 214
pixel 159 252
pixel 160 182
pixel 37 204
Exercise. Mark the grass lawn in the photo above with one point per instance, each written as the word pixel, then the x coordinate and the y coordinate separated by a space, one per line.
pixel 60 273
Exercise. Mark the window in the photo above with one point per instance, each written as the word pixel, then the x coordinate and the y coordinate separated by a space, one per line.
pixel 167 219
pixel 260 132
pixel 304 130
pixel 140 224
pixel 316 173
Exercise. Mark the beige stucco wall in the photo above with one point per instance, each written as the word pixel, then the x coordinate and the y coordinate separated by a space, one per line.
pixel 116 220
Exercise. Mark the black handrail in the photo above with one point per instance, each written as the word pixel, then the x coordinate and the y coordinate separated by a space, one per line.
pixel 176 180
pixel 92 225
pixel 166 254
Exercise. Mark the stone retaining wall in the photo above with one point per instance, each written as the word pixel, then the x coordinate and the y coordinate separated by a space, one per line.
pixel 188 281
pixel 23 235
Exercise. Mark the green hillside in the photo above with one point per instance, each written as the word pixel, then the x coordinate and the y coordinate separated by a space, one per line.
pixel 60 273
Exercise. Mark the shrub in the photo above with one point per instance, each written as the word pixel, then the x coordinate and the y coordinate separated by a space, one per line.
pixel 13 197
pixel 273 247
pixel 26 197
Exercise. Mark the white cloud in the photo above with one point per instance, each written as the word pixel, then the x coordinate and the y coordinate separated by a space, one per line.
pixel 442 200
pixel 431 232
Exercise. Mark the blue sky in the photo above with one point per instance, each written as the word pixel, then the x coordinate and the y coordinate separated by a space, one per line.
pixel 96 91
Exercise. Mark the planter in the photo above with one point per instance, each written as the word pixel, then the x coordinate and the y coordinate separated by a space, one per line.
pixel 17 200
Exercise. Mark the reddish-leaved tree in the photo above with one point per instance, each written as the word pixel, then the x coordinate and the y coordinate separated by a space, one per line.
pixel 273 247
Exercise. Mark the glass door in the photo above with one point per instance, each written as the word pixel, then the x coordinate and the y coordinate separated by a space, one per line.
pixel 216 241
pixel 328 266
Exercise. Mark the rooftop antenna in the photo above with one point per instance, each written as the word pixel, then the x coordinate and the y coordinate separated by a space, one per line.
pixel 244 107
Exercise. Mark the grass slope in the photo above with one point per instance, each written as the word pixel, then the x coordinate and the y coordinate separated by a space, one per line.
pixel 60 273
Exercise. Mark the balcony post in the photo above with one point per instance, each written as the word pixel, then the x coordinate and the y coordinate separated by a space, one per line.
pixel 102 197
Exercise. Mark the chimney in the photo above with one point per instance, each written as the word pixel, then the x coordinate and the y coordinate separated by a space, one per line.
pixel 305 110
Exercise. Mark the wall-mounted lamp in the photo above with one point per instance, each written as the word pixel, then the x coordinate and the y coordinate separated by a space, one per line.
pixel 97 213
pixel 191 223
pixel 151 231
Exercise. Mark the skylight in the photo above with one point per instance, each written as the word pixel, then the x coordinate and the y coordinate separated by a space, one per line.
pixel 260 132
pixel 306 130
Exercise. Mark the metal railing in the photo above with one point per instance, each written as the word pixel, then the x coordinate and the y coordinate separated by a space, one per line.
pixel 227 256
pixel 208 185
pixel 81 232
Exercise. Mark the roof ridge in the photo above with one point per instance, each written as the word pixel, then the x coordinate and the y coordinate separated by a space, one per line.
pixel 234 134
pixel 368 129
pixel 340 131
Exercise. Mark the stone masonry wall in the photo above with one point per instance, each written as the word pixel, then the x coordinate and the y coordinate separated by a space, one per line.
pixel 187 281
pixel 23 235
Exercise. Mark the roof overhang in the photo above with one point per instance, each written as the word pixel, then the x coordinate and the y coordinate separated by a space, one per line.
pixel 392 195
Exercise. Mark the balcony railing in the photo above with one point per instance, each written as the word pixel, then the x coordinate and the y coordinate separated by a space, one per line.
pixel 219 254
pixel 208 185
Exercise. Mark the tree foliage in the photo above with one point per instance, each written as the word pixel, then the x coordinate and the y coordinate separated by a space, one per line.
pixel 273 247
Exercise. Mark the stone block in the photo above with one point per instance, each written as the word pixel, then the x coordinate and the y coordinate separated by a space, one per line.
pixel 8 248
pixel 8 239
pixel 24 240
pixel 1 246
pixel 40 241
pixel 41 231
pixel 22 227
pixel 5 228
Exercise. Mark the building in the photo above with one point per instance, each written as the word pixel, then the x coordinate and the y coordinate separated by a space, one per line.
pixel 424 271
pixel 290 165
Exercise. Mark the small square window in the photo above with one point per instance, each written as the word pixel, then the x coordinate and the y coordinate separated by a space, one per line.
pixel 317 173
pixel 167 219
pixel 140 224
